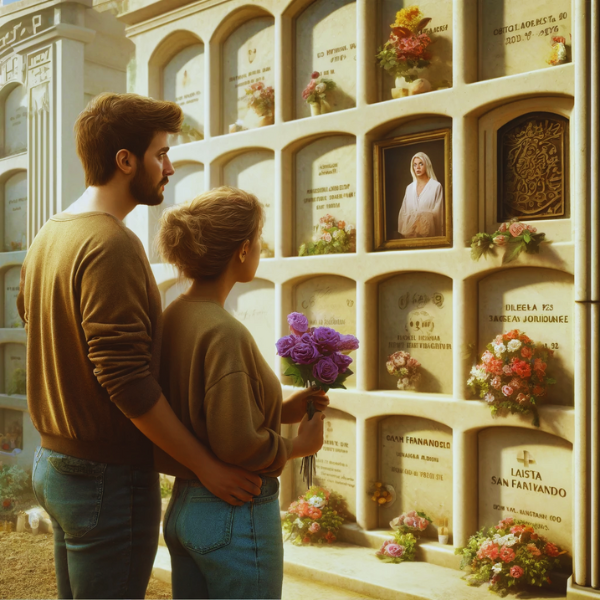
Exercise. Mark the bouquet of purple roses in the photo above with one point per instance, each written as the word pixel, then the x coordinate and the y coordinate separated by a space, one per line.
pixel 315 356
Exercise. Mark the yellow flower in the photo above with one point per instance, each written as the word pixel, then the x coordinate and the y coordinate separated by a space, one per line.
pixel 408 17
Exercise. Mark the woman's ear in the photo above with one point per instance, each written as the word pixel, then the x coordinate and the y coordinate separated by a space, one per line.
pixel 244 249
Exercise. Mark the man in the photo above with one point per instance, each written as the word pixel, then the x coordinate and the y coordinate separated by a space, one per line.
pixel 93 316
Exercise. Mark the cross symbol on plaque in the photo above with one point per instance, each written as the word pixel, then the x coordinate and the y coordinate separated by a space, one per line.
pixel 525 457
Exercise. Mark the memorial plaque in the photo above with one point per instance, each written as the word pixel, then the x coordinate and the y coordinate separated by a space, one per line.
pixel 439 30
pixel 329 301
pixel 253 304
pixel 326 42
pixel 15 213
pixel 248 58
pixel 15 122
pixel 526 475
pixel 538 302
pixel 415 458
pixel 516 37
pixel 12 279
pixel 183 82
pixel 336 461
pixel 255 172
pixel 325 185
pixel 415 316
pixel 14 369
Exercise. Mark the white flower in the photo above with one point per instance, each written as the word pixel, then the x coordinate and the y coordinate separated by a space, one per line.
pixel 507 370
pixel 497 568
pixel 507 540
pixel 349 228
pixel 479 374
pixel 406 381
pixel 400 385
pixel 299 523
pixel 336 234
pixel 489 398
pixel 317 501
pixel 514 345
pixel 499 348
pixel 320 88
pixel 256 94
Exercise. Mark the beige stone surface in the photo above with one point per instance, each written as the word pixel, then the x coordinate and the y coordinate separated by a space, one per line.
pixel 325 184
pixel 415 316
pixel 255 172
pixel 15 212
pixel 526 475
pixel 326 42
pixel 185 184
pixel 336 461
pixel 15 121
pixel 538 302
pixel 253 304
pixel 12 278
pixel 14 359
pixel 183 82
pixel 415 458
pixel 247 58
pixel 516 36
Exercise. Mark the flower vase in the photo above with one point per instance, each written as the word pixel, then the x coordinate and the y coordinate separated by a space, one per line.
pixel 325 106
pixel 265 120
pixel 401 87
pixel 315 109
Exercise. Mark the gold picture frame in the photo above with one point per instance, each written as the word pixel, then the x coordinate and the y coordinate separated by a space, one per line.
pixel 392 169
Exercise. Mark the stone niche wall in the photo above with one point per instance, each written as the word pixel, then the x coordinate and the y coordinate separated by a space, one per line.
pixel 325 185
pixel 526 475
pixel 14 368
pixel 248 58
pixel 11 431
pixel 415 316
pixel 12 277
pixel 329 301
pixel 255 172
pixel 415 459
pixel 326 43
pixel 15 213
pixel 538 302
pixel 15 122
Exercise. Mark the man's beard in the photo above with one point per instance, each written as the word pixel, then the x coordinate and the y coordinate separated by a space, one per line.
pixel 143 191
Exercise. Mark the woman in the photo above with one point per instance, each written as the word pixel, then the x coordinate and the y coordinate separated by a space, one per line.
pixel 222 389
pixel 422 211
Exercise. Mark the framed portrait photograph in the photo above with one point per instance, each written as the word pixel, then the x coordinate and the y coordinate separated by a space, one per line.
pixel 413 204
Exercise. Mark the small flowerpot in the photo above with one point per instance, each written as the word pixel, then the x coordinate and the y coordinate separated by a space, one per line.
pixel 443 539
pixel 265 120
pixel 315 108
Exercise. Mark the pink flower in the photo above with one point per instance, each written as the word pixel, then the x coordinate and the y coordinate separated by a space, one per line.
pixel 526 352
pixel 501 240
pixel 507 554
pixel 341 224
pixel 551 549
pixel 506 369
pixel 516 229
pixel 315 74
pixel 517 529
pixel 496 383
pixel 326 237
pixel 533 550
pixel 522 399
pixel 314 527
pixel 488 549
pixel 516 571
pixel 521 368
pixel 513 334
pixel 507 390
pixel 394 550
pixel 487 356
pixel 502 227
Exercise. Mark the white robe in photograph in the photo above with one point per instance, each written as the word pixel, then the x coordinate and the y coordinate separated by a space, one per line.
pixel 422 216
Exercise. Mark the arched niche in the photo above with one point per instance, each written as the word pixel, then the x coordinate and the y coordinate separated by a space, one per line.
pixel 254 171
pixel 176 74
pixel 326 43
pixel 253 304
pixel 329 301
pixel 439 30
pixel 415 461
pixel 13 369
pixel 15 122
pixel 11 432
pixel 248 64
pixel 14 213
pixel 325 186
pixel 537 302
pixel 11 279
pixel 336 462
pixel 415 317
pixel 527 475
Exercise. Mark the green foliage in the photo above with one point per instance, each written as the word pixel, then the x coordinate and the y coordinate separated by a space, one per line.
pixel 18 383
pixel 341 244
pixel 16 492
pixel 166 486
pixel 482 244
pixel 408 541
pixel 302 374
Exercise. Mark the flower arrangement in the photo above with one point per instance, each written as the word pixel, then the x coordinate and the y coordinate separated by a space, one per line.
pixel 509 556
pixel 402 365
pixel 261 98
pixel 558 54
pixel 334 237
pixel 315 93
pixel 381 494
pixel 315 517
pixel 514 236
pixel 512 374
pixel 407 529
pixel 414 522
pixel 407 47
pixel 16 493
pixel 315 356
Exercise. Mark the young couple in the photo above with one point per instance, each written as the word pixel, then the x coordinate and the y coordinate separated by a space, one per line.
pixel 106 381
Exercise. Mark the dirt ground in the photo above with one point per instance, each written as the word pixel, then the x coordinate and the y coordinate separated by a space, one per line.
pixel 27 568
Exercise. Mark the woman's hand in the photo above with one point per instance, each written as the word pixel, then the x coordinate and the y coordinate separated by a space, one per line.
pixel 294 407
pixel 310 437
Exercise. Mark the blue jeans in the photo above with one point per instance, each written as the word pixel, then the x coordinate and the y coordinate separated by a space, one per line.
pixel 223 551
pixel 106 522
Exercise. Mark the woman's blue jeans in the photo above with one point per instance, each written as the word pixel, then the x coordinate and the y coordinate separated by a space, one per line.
pixel 223 551
pixel 106 521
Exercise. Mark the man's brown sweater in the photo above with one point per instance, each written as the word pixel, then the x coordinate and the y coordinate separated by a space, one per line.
pixel 92 311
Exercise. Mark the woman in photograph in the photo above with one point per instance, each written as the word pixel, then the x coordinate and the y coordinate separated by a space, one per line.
pixel 224 391
pixel 422 211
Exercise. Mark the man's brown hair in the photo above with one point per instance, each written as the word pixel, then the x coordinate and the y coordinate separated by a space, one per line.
pixel 113 122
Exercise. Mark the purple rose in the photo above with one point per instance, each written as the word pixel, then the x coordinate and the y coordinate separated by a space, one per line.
pixel 347 342
pixel 304 352
pixel 298 323
pixel 326 370
pixel 326 339
pixel 285 344
pixel 342 361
